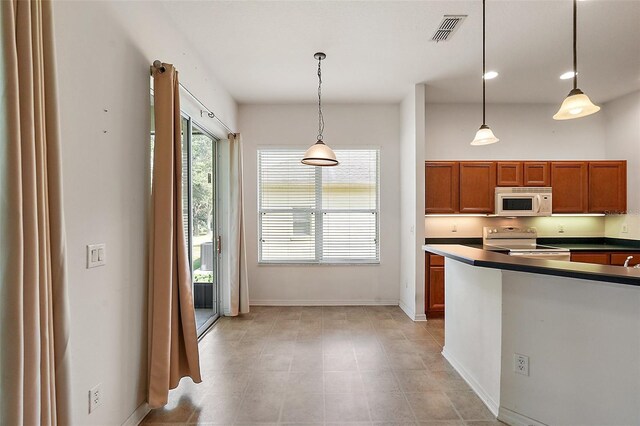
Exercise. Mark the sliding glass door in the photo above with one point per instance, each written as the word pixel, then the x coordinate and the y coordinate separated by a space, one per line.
pixel 199 213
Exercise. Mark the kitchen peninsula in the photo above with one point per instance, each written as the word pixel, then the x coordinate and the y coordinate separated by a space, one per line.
pixel 570 330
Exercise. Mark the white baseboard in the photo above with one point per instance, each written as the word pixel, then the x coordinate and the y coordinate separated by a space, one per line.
pixel 491 404
pixel 289 302
pixel 411 313
pixel 137 416
pixel 515 419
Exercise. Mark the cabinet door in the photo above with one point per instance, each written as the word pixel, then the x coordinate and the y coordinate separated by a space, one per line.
pixel 441 186
pixel 477 186
pixel 569 180
pixel 607 186
pixel 599 258
pixel 509 173
pixel 536 173
pixel 618 258
pixel 436 289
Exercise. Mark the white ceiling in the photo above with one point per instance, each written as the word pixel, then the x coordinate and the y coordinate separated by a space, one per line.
pixel 262 51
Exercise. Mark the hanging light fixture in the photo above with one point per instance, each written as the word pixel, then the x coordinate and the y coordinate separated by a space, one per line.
pixel 484 135
pixel 576 104
pixel 320 154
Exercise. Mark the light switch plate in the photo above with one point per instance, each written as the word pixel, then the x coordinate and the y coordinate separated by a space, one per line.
pixel 96 255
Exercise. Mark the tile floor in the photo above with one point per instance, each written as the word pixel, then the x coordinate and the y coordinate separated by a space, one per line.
pixel 332 365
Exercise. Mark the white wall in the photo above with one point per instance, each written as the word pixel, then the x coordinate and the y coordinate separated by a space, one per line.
pixel 412 203
pixel 104 52
pixel 622 126
pixel 473 329
pixel 526 132
pixel 583 345
pixel 347 126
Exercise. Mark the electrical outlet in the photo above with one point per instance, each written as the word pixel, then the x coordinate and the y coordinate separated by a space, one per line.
pixel 560 229
pixel 95 397
pixel 454 228
pixel 521 364
pixel 625 228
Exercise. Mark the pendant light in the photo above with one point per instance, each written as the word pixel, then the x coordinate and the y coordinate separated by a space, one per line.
pixel 484 135
pixel 576 104
pixel 320 154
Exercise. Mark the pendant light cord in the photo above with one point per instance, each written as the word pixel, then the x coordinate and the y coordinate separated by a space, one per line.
pixel 483 66
pixel 575 44
pixel 320 116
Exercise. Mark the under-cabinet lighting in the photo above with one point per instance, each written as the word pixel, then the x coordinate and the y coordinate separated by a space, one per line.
pixel 578 215
pixel 456 215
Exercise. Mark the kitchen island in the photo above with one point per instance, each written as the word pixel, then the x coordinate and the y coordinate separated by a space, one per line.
pixel 578 325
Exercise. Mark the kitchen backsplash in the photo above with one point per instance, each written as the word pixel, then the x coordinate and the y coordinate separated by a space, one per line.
pixel 623 226
pixel 556 226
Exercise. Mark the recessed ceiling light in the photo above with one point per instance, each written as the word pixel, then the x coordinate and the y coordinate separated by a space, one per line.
pixel 490 75
pixel 567 75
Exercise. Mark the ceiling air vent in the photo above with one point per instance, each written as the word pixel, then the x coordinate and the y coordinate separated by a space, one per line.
pixel 448 26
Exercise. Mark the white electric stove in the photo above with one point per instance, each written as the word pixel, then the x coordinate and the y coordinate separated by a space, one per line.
pixel 520 241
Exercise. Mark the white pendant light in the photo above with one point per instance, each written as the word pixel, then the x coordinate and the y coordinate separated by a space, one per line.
pixel 576 104
pixel 484 135
pixel 320 154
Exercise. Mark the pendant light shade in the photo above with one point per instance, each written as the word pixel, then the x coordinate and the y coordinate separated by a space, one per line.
pixel 320 154
pixel 576 104
pixel 484 135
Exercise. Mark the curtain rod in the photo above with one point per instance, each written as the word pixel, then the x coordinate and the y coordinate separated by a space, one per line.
pixel 158 65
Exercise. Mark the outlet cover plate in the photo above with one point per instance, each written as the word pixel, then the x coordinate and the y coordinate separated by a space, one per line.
pixel 95 397
pixel 521 364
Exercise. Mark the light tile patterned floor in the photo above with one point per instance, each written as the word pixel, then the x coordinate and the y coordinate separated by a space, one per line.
pixel 332 365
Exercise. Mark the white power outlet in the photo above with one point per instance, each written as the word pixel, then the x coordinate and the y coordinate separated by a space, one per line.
pixel 625 228
pixel 95 397
pixel 560 229
pixel 521 364
pixel 454 228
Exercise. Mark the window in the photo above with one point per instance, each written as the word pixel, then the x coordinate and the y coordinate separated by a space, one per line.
pixel 318 214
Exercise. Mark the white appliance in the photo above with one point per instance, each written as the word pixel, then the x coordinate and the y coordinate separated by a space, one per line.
pixel 520 241
pixel 523 201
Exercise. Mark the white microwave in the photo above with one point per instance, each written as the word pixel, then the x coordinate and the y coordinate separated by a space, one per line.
pixel 523 201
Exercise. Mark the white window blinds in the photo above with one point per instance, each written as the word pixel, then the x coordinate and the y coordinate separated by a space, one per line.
pixel 318 214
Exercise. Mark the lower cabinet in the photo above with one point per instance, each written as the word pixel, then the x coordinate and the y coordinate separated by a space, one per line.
pixel 434 285
pixel 599 258
pixel 614 258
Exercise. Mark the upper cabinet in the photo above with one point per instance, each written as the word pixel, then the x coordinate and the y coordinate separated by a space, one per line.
pixel 578 186
pixel 569 181
pixel 607 186
pixel 477 186
pixel 441 182
pixel 536 173
pixel 509 173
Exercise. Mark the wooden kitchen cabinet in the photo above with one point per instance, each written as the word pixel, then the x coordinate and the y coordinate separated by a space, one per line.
pixel 536 173
pixel 607 187
pixel 570 183
pixel 599 258
pixel 618 258
pixel 477 186
pixel 509 173
pixel 441 182
pixel 434 285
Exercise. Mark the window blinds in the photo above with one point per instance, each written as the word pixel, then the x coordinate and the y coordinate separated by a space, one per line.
pixel 315 214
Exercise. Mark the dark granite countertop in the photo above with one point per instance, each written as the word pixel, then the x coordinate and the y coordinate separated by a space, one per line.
pixel 488 259
pixel 582 244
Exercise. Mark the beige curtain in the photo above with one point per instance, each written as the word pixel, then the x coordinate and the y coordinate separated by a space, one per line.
pixel 173 342
pixel 34 333
pixel 238 278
